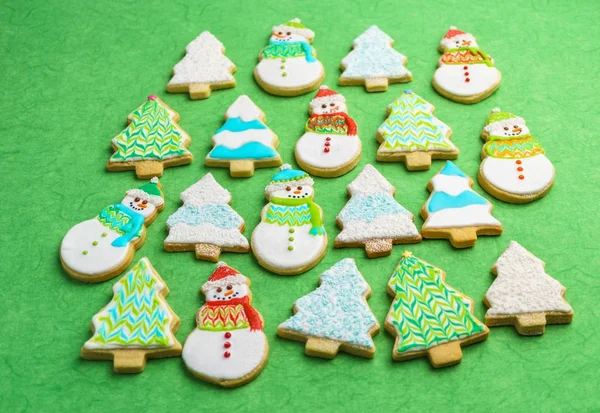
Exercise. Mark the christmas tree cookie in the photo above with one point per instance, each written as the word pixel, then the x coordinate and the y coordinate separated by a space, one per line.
pixel 373 62
pixel 203 69
pixel 372 218
pixel 465 74
pixel 206 223
pixel 335 316
pixel 428 317
pixel 515 168
pixel 454 211
pixel 290 238
pixel 136 325
pixel 330 145
pixel 151 142
pixel 103 247
pixel 288 66
pixel 244 142
pixel 228 347
pixel 411 134
pixel 523 295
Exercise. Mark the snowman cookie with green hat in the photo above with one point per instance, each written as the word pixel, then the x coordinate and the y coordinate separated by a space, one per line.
pixel 288 65
pixel 103 247
pixel 290 238
pixel 515 168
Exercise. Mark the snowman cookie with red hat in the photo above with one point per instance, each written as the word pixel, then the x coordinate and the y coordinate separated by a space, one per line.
pixel 465 74
pixel 330 146
pixel 229 346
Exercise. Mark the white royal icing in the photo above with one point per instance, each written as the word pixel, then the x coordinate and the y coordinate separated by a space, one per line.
pixel 342 150
pixel 234 140
pixel 503 174
pixel 522 285
pixel 451 78
pixel 300 73
pixel 206 191
pixel 204 62
pixel 206 233
pixel 244 108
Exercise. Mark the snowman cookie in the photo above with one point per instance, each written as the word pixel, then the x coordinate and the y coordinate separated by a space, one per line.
pixel 465 74
pixel 228 347
pixel 330 146
pixel 515 168
pixel 288 66
pixel 103 247
pixel 290 238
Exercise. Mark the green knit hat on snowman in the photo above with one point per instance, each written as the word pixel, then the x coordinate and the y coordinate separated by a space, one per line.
pixel 499 118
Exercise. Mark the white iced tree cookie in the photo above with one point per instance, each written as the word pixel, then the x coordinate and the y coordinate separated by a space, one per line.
pixel 103 247
pixel 290 238
pixel 330 146
pixel 288 66
pixel 203 69
pixel 244 142
pixel 228 347
pixel 456 212
pixel 206 223
pixel 373 62
pixel 372 218
pixel 465 74
pixel 515 168
pixel 413 135
pixel 137 324
pixel 336 316
pixel 523 294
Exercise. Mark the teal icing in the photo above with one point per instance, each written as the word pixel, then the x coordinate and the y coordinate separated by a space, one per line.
pixel 451 169
pixel 288 175
pixel 337 309
pixel 368 207
pixel 249 150
pixel 238 125
pixel 219 215
pixel 442 200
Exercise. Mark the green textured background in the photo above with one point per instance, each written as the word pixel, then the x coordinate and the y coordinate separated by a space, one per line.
pixel 72 72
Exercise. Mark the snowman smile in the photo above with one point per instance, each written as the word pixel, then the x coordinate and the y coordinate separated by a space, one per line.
pixel 298 194
pixel 137 207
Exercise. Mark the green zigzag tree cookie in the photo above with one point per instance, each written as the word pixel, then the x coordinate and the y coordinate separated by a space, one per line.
pixel 152 141
pixel 411 134
pixel 427 316
pixel 136 324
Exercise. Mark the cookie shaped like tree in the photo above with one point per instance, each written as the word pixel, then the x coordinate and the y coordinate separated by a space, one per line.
pixel 152 141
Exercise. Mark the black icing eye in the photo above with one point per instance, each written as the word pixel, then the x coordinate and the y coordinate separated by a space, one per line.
pixel 137 199
pixel 288 188
pixel 332 104
pixel 145 202
pixel 219 289
pixel 280 33
pixel 299 188
pixel 289 33
pixel 515 126
pixel 506 128
pixel 323 106
pixel 229 287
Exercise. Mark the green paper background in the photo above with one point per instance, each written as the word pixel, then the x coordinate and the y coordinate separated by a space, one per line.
pixel 72 72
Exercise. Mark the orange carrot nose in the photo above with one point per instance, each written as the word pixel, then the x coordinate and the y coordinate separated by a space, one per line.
pixel 515 130
pixel 142 205
pixel 336 108
pixel 466 42
pixel 297 192
pixel 228 293
pixel 281 36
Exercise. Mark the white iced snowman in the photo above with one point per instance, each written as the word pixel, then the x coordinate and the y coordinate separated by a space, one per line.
pixel 290 238
pixel 330 146
pixel 464 70
pixel 228 347
pixel 288 65
pixel 101 245
pixel 514 162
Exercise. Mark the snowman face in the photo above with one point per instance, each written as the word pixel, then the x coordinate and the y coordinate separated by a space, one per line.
pixel 139 205
pixel 458 41
pixel 227 292
pixel 328 105
pixel 282 35
pixel 508 128
pixel 293 191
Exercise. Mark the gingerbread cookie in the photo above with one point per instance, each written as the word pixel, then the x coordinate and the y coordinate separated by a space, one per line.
pixel 288 66
pixel 151 142
pixel 465 74
pixel 411 134
pixel 228 347
pixel 523 295
pixel 244 142
pixel 103 247
pixel 373 62
pixel 290 238
pixel 515 168
pixel 203 69
pixel 454 211
pixel 372 218
pixel 136 325
pixel 206 223
pixel 330 146
pixel 428 317
pixel 335 316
